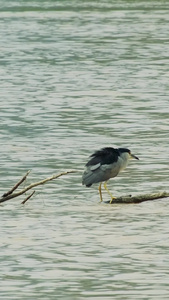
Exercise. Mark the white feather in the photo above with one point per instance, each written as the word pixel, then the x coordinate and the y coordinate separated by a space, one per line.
pixel 95 167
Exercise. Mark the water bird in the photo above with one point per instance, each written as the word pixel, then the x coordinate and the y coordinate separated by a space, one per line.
pixel 105 164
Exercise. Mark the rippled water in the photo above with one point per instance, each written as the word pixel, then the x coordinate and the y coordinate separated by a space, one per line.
pixel 77 76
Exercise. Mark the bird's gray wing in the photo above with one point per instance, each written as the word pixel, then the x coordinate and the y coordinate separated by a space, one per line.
pixel 99 167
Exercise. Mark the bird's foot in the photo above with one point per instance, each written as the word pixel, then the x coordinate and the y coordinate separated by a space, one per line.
pixel 112 198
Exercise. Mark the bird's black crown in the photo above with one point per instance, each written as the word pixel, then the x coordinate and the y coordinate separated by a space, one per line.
pixel 123 150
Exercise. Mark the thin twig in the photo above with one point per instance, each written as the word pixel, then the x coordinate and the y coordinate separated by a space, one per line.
pixel 16 185
pixel 27 198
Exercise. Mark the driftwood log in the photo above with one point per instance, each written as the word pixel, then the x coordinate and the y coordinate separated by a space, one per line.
pixel 139 198
pixel 12 193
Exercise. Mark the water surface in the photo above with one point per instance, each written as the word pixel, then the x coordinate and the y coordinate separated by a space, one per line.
pixel 76 77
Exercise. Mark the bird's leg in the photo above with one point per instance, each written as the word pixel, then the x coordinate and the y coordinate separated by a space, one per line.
pixel 100 192
pixel 106 188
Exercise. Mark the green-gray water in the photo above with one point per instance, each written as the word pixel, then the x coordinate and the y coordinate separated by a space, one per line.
pixel 77 76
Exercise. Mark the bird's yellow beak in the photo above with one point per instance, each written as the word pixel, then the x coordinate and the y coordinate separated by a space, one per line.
pixel 133 156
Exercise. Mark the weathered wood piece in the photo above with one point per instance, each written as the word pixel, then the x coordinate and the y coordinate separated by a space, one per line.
pixel 139 198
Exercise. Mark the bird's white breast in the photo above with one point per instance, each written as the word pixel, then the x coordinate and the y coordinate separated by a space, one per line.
pixel 123 161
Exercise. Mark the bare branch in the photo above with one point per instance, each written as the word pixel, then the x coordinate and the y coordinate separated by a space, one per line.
pixel 23 191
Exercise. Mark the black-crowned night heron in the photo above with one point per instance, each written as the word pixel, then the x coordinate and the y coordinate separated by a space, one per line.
pixel 105 164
